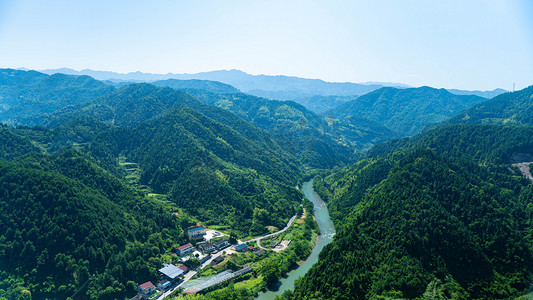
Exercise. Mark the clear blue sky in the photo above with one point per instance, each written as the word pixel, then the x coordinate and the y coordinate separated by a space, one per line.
pixel 448 43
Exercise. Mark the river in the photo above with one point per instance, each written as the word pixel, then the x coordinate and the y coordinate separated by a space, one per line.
pixel 327 231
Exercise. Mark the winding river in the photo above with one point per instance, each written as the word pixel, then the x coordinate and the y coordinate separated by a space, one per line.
pixel 327 232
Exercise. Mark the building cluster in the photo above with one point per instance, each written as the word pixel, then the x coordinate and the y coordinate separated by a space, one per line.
pixel 171 275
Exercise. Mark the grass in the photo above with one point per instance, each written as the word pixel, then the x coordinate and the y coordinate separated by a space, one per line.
pixel 250 283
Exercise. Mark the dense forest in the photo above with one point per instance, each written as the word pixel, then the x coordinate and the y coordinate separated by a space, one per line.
pixel 407 111
pixel 435 227
pixel 498 144
pixel 66 220
pixel 99 182
pixel 508 108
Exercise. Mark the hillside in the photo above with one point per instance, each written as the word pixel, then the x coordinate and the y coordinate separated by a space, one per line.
pixel 406 111
pixel 13 145
pixel 302 87
pixel 508 108
pixel 26 97
pixel 206 85
pixel 500 144
pixel 299 131
pixel 65 219
pixel 433 228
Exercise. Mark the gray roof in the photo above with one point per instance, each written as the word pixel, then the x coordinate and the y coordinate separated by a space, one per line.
pixel 171 271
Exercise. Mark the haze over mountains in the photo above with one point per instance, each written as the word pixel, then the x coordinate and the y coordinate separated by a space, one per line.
pixel 300 90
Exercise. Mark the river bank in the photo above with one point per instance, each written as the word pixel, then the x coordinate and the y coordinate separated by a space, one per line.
pixel 327 231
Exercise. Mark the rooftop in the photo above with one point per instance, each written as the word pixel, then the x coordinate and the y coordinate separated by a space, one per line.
pixel 171 271
pixel 197 228
pixel 185 246
pixel 146 285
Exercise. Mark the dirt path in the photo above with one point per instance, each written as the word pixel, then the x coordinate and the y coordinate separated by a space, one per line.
pixel 524 168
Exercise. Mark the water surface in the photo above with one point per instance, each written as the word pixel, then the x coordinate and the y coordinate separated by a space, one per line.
pixel 327 232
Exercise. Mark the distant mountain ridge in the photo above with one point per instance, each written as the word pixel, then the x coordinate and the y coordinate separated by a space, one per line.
pixel 275 87
pixel 407 111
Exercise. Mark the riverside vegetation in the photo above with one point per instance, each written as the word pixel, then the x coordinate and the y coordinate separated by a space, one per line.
pixel 99 182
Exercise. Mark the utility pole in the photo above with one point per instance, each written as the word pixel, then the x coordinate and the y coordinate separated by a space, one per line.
pixel 513 87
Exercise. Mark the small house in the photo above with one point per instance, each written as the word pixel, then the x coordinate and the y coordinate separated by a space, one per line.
pixel 184 268
pixel 241 248
pixel 206 247
pixel 197 232
pixel 260 252
pixel 221 244
pixel 146 288
pixel 216 261
pixel 185 249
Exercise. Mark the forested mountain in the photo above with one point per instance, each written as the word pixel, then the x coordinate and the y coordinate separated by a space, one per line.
pixel 434 227
pixel 302 87
pixel 112 177
pixel 301 132
pixel 213 163
pixel 209 169
pixel 13 145
pixel 508 108
pixel 321 104
pixel 206 85
pixel 406 111
pixel 26 97
pixel 501 144
pixel 66 221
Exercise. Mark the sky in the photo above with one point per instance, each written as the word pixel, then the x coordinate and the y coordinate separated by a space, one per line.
pixel 474 45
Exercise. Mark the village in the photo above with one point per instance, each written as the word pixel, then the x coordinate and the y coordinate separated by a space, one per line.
pixel 209 248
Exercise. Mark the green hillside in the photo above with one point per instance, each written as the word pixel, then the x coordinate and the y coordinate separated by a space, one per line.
pixel 482 143
pixel 13 145
pixel 407 111
pixel 317 141
pixel 508 108
pixel 65 219
pixel 433 228
pixel 27 97
pixel 206 85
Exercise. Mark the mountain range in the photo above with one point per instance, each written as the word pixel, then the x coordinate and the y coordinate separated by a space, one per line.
pixel 278 87
pixel 100 179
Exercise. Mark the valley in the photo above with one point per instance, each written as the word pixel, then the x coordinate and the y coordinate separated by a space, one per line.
pixel 102 185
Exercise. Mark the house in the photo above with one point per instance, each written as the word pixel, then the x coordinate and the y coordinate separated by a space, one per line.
pixel 196 233
pixel 244 270
pixel 221 244
pixel 164 285
pixel 260 252
pixel 196 254
pixel 250 248
pixel 206 247
pixel 185 269
pixel 240 248
pixel 216 261
pixel 170 272
pixel 146 288
pixel 185 249
pixel 203 258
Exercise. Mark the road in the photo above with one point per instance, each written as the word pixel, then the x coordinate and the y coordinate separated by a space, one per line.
pixel 272 234
pixel 191 273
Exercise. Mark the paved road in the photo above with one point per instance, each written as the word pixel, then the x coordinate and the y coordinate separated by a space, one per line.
pixel 272 234
pixel 191 273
